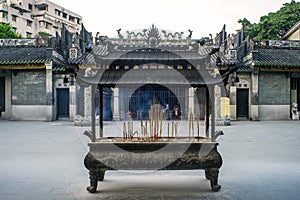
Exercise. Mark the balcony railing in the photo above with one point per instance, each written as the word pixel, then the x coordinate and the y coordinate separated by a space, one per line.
pixel 277 44
pixel 24 42
pixel 40 3
pixel 3 7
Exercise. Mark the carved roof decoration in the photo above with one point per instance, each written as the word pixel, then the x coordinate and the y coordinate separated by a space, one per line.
pixel 153 37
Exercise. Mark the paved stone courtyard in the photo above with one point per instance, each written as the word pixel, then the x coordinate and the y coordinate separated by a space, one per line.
pixel 44 160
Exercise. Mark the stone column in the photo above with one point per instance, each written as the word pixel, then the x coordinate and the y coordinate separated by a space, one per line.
pixel 191 102
pixel 218 102
pixel 72 102
pixel 233 103
pixel 49 92
pixel 254 96
pixel 87 103
pixel 116 113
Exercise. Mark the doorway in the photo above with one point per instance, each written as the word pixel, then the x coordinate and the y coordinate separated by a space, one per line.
pixel 242 103
pixel 2 94
pixel 298 93
pixel 62 102
pixel 143 97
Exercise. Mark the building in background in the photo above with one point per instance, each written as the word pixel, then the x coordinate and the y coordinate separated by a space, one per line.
pixel 293 33
pixel 35 81
pixel 30 17
pixel 267 81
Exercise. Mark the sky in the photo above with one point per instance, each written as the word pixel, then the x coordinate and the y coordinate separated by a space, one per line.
pixel 203 17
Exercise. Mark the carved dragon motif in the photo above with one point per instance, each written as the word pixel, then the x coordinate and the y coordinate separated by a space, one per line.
pixel 168 35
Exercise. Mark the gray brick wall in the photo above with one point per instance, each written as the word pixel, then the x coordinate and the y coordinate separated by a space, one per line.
pixel 29 88
pixel 274 88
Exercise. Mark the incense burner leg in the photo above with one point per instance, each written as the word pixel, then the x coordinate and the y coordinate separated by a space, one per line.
pixel 212 175
pixel 95 176
pixel 101 174
pixel 93 182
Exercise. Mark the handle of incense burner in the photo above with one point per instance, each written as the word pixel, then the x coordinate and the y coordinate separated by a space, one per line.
pixel 217 134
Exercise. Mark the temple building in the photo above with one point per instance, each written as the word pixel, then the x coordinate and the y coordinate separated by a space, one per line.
pixel 145 67
pixel 267 81
pixel 35 81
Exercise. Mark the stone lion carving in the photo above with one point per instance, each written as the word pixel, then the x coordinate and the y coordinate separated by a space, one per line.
pixel 295 113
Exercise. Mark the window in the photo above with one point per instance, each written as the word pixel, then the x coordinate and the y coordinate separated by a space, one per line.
pixel 14 29
pixel 30 6
pixel 57 12
pixel 14 18
pixel 48 25
pixel 71 18
pixel 4 15
pixel 78 21
pixel 65 15
pixel 41 8
pixel 29 23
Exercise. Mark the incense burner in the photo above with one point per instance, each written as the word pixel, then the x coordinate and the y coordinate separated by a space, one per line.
pixel 162 154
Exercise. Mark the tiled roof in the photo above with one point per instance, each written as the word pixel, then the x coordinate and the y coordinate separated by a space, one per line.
pixel 24 55
pixel 244 69
pixel 277 57
pixel 101 54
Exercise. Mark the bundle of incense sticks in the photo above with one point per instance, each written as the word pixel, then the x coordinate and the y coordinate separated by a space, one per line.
pixel 192 118
pixel 160 123
pixel 130 130
pixel 176 129
pixel 168 129
pixel 172 129
pixel 190 125
pixel 198 128
pixel 124 131
pixel 155 116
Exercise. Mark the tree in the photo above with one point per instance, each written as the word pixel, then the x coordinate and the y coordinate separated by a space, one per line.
pixel 274 25
pixel 44 35
pixel 6 31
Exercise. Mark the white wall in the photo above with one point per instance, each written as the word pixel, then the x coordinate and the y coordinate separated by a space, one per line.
pixel 32 112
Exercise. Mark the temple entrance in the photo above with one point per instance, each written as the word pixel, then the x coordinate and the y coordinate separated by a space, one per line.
pixel 142 99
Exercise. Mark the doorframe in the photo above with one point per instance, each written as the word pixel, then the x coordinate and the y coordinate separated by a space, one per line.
pixel 4 95
pixel 57 106
pixel 237 104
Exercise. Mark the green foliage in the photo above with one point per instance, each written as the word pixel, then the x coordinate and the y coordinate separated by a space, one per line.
pixel 274 25
pixel 6 31
pixel 44 34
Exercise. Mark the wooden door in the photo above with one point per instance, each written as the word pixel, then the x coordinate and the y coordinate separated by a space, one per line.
pixel 62 102
pixel 243 103
pixel 2 94
pixel 298 93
